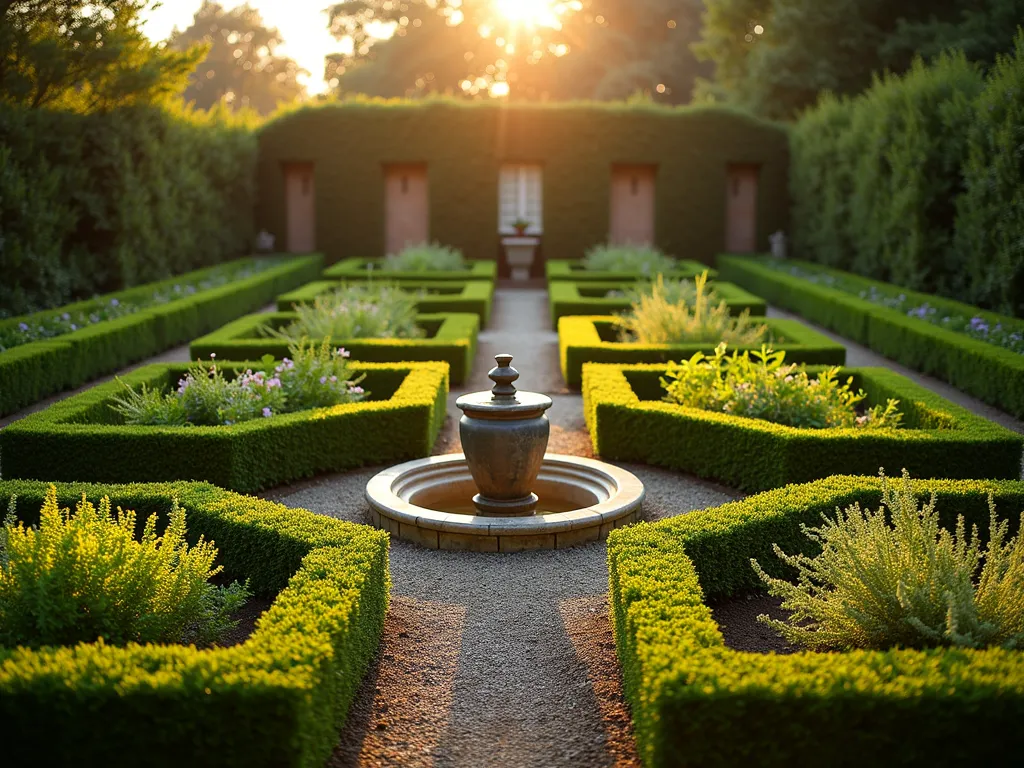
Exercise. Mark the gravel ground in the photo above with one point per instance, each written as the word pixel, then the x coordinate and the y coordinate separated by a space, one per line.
pixel 737 620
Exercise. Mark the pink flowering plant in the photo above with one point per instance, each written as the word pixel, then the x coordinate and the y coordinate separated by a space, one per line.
pixel 312 377
pixel 760 385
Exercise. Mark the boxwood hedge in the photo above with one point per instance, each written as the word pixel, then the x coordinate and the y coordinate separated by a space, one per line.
pixel 629 422
pixel 278 699
pixel 572 269
pixel 441 295
pixel 371 269
pixel 451 338
pixel 571 297
pixel 30 372
pixel 697 703
pixel 82 438
pixel 990 373
pixel 583 339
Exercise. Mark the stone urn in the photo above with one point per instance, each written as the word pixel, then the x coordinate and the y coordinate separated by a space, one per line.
pixel 504 436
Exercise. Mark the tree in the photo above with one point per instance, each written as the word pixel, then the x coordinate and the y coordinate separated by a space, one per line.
pixel 84 55
pixel 240 67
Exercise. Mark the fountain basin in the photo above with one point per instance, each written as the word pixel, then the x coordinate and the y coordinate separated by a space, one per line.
pixel 430 502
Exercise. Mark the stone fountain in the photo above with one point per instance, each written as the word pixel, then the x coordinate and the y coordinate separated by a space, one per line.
pixel 504 494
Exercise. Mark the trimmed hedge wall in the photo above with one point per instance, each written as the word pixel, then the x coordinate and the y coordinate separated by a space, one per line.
pixel 629 422
pixel 451 339
pixel 591 340
pixel 30 372
pixel 697 703
pixel 82 438
pixel 464 144
pixel 370 269
pixel 572 269
pixel 567 297
pixel 278 699
pixel 989 373
pixel 446 296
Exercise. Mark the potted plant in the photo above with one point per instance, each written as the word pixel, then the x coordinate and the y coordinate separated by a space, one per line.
pixel 520 226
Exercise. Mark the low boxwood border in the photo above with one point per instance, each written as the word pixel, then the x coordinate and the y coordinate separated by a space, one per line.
pixel 279 699
pixel 581 340
pixel 565 299
pixel 473 296
pixel 79 439
pixel 697 703
pixel 990 373
pixel 30 372
pixel 572 269
pixel 452 340
pixel 628 422
pixel 370 269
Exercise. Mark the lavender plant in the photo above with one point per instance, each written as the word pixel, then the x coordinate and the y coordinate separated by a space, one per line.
pixel 313 377
pixel 641 259
pixel 425 257
pixel 761 386
pixel 908 582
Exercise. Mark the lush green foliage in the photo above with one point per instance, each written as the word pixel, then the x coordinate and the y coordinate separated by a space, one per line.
pixel 279 698
pixel 313 377
pixel 911 583
pixel 988 372
pixel 692 698
pixel 78 578
pixel 425 257
pixel 760 385
pixel 638 259
pixel 913 180
pixel 369 269
pixel 684 311
pixel 367 310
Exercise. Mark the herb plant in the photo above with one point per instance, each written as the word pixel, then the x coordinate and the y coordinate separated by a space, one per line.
pixel 641 259
pixel 313 377
pixel 684 311
pixel 761 386
pixel 425 257
pixel 80 577
pixel 894 577
pixel 355 311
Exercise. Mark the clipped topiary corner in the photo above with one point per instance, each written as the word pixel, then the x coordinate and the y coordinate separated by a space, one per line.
pixel 584 340
pixel 373 269
pixel 696 702
pixel 628 421
pixel 82 438
pixel 573 269
pixel 450 338
pixel 279 698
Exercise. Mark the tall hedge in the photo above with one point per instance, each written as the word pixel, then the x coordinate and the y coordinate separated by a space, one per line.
pixel 918 181
pixel 92 203
pixel 464 145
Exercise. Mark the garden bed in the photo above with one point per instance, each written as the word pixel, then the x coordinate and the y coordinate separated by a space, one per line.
pixel 595 340
pixel 29 372
pixel 450 338
pixel 371 269
pixel 571 297
pixel 83 438
pixel 628 421
pixel 278 698
pixel 982 369
pixel 473 296
pixel 572 269
pixel 695 702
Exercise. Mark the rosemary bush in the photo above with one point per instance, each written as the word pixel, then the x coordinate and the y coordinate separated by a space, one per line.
pixel 907 583
pixel 760 385
pixel 80 577
pixel 355 311
pixel 684 311
pixel 313 377
pixel 425 257
pixel 641 259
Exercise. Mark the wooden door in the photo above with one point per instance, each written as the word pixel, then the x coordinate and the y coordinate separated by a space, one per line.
pixel 406 206
pixel 741 209
pixel 632 205
pixel 300 203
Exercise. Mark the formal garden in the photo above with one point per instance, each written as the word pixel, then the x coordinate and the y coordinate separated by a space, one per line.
pixel 304 465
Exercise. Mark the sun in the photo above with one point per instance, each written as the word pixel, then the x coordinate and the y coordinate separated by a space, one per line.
pixel 530 13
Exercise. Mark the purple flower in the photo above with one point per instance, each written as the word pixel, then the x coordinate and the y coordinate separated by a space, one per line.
pixel 273 382
pixel 267 413
pixel 342 352
pixel 323 379
pixel 355 390
pixel 65 316
pixel 22 327
pixel 74 327
pixel 333 379
pixel 115 303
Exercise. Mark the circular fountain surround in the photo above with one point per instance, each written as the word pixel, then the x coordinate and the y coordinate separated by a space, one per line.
pixel 430 502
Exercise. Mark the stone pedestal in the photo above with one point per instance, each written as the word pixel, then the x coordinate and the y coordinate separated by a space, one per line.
pixel 520 253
